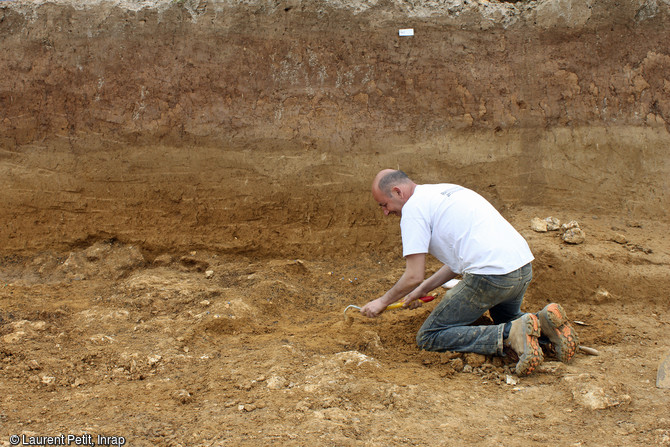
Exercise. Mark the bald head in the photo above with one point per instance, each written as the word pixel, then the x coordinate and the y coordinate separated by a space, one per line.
pixel 391 189
pixel 386 179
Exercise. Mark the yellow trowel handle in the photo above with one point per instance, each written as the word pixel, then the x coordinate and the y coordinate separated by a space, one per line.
pixel 399 304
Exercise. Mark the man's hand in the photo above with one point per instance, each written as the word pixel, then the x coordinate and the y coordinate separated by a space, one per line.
pixel 374 308
pixel 412 301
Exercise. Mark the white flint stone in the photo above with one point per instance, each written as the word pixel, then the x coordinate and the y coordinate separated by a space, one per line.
pixel 574 236
pixel 538 225
pixel 276 383
pixel 569 225
pixel 553 223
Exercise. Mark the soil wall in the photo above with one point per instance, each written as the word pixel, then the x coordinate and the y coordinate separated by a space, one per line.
pixel 257 126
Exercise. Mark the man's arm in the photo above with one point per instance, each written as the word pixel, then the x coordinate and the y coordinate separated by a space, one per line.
pixel 415 266
pixel 438 278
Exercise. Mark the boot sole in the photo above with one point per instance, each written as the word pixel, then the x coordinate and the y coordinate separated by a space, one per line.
pixel 555 325
pixel 532 356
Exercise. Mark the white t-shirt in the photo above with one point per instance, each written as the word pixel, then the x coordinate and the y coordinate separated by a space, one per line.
pixel 462 230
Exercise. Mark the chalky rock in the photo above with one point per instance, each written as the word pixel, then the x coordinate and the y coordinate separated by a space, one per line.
pixel 596 393
pixel 570 225
pixel 619 238
pixel 663 375
pixel 277 383
pixel 538 225
pixel 596 398
pixel 553 223
pixel 163 260
pixel 602 296
pixel 574 236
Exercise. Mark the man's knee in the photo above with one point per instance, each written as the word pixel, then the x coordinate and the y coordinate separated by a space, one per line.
pixel 423 340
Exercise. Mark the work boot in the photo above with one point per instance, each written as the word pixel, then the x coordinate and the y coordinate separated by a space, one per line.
pixel 523 340
pixel 555 326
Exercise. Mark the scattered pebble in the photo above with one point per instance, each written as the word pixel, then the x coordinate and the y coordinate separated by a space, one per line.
pixel 553 223
pixel 574 235
pixel 602 296
pixel 570 225
pixel 551 368
pixel 276 383
pixel 14 337
pixel 663 375
pixel 48 380
pixel 163 260
pixel 619 238
pixel 182 396
pixel 101 338
pixel 32 365
pixel 639 248
pixel 596 396
pixel 538 225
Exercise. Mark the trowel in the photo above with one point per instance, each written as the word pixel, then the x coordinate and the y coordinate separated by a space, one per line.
pixel 396 305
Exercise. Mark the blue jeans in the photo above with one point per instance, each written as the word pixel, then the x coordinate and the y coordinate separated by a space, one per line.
pixel 448 327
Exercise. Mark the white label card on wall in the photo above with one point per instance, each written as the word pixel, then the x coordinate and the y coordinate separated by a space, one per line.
pixel 406 32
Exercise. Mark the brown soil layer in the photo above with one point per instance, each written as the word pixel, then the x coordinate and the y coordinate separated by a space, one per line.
pixel 249 126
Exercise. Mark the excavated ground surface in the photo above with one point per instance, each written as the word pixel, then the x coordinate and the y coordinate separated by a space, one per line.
pixel 186 215
pixel 106 340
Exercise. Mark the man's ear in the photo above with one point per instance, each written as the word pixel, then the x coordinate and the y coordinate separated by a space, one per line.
pixel 397 190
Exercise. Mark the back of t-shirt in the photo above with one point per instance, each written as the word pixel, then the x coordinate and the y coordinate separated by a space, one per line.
pixel 461 229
